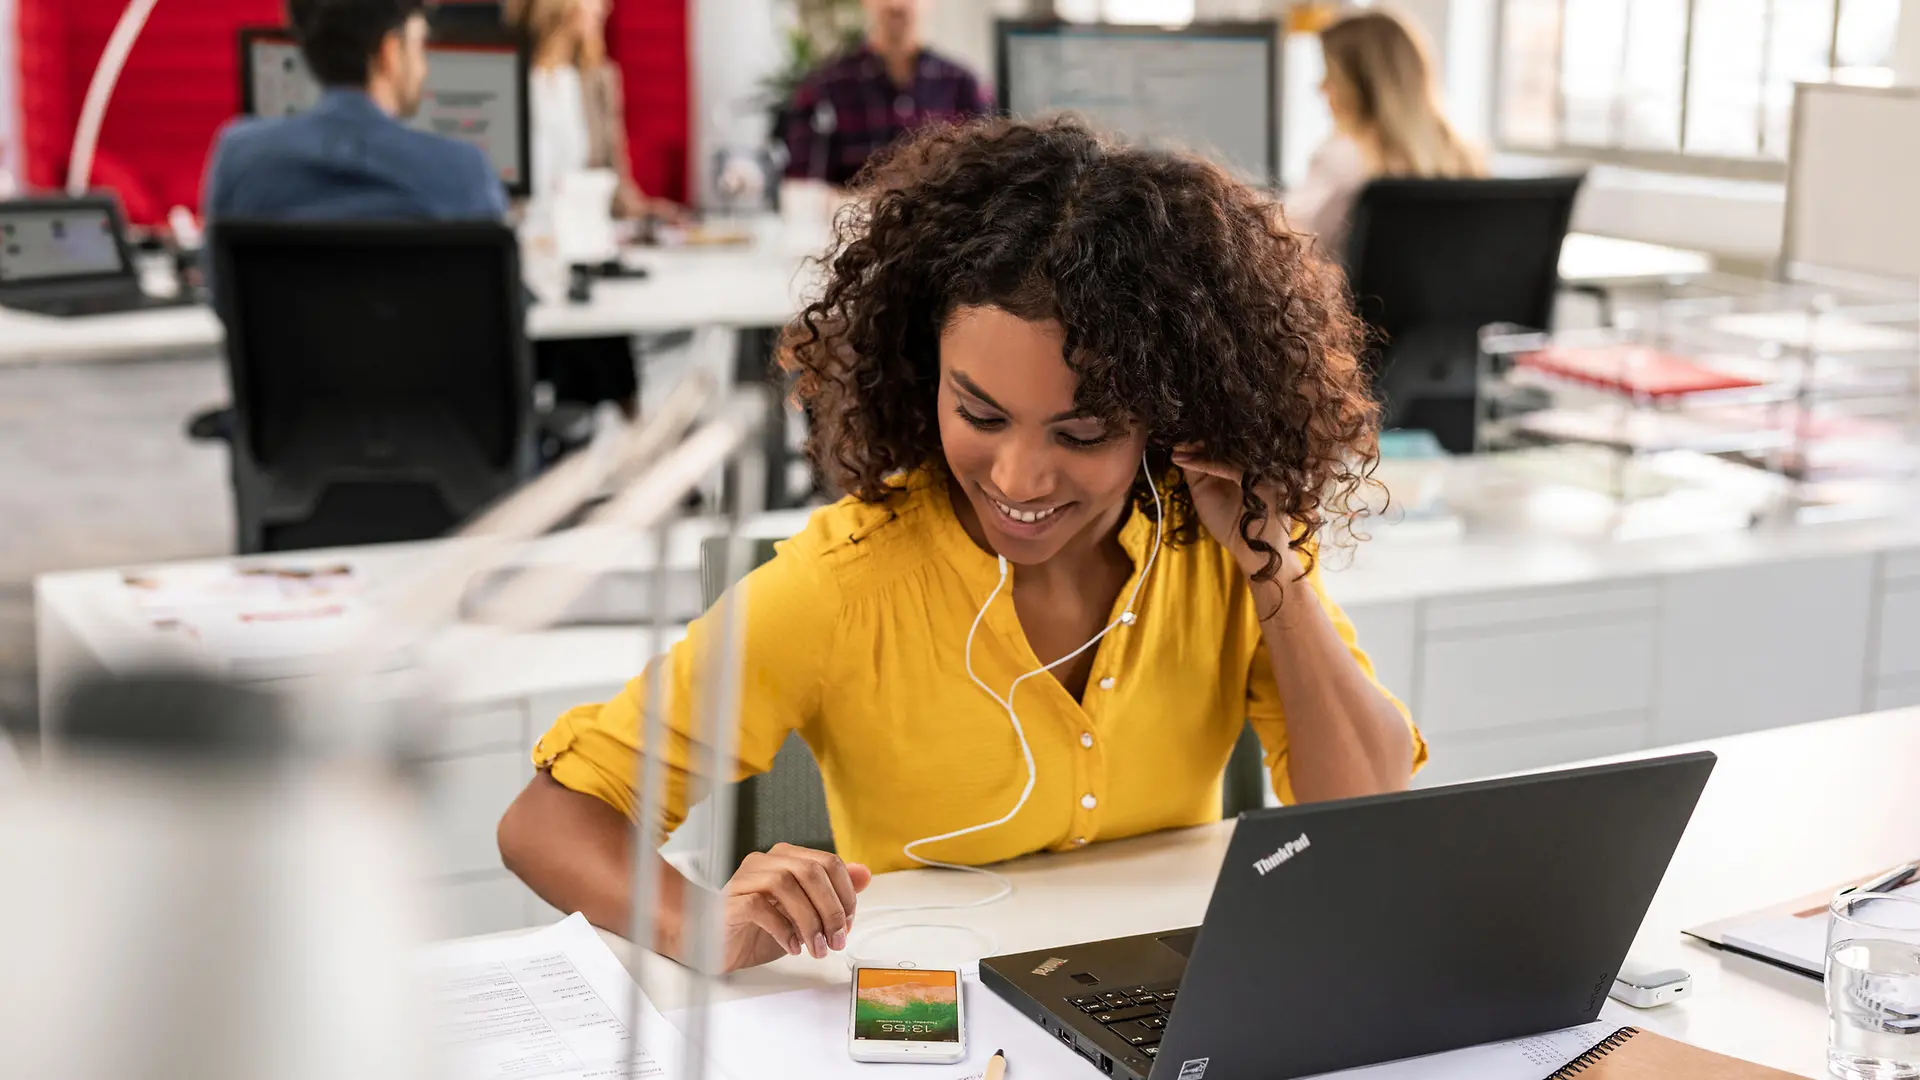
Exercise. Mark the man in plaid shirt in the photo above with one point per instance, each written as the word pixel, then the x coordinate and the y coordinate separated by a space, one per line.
pixel 857 105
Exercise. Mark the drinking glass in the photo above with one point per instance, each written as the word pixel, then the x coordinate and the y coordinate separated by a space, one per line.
pixel 1873 987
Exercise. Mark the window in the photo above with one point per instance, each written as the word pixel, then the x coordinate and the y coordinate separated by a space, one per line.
pixel 1665 81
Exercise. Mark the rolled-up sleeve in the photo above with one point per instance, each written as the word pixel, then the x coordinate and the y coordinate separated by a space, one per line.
pixel 790 624
pixel 1269 719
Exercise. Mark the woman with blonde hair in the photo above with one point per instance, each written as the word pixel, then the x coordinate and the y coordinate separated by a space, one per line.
pixel 578 102
pixel 578 112
pixel 1387 121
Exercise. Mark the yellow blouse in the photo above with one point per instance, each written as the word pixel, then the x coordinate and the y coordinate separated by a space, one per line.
pixel 854 637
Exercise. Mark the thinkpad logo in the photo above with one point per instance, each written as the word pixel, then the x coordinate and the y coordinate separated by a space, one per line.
pixel 1286 851
pixel 1052 965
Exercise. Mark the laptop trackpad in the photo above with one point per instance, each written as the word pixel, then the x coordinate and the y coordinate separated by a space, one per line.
pixel 1180 941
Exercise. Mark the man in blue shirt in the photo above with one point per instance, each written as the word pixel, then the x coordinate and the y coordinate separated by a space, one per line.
pixel 349 158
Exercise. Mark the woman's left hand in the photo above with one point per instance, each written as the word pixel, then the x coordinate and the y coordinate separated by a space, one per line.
pixel 1216 498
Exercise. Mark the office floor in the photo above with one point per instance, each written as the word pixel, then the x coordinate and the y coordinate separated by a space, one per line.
pixel 95 470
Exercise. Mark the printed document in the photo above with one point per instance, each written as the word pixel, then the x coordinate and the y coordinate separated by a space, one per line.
pixel 554 1003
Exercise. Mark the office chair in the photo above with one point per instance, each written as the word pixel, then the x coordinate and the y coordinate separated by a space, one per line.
pixel 381 375
pixel 788 802
pixel 1430 262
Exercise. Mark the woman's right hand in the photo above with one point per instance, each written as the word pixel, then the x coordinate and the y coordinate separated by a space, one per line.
pixel 787 901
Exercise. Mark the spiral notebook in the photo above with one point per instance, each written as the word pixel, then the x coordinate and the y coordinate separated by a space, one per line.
pixel 1596 1051
pixel 1633 1054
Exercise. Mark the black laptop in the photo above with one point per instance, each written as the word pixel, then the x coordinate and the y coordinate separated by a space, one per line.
pixel 1347 933
pixel 69 256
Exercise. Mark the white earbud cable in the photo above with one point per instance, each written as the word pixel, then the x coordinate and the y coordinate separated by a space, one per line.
pixel 1005 889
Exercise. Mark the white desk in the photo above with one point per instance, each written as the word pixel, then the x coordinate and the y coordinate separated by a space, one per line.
pixel 1786 812
pixel 43 339
pixel 752 286
pixel 1589 260
pixel 759 285
pixel 1512 651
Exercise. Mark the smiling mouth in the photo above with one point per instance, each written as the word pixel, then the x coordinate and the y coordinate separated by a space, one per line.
pixel 1027 517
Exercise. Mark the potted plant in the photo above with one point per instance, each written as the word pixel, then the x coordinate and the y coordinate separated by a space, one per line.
pixel 821 30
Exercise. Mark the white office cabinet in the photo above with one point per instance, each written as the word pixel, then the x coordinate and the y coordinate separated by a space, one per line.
pixel 1898 631
pixel 476 765
pixel 1588 602
pixel 537 912
pixel 1762 645
pixel 1896 667
pixel 1389 634
pixel 544 709
pixel 491 727
pixel 1535 656
pixel 1474 755
pixel 464 798
pixel 483 762
pixel 481 905
pixel 1896 694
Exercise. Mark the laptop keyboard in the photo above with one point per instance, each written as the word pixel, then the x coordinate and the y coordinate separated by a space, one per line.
pixel 1137 1015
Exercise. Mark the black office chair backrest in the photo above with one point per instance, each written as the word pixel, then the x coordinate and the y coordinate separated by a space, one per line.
pixel 788 802
pixel 382 378
pixel 1430 262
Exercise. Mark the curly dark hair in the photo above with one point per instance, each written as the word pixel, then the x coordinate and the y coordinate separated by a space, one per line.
pixel 1189 308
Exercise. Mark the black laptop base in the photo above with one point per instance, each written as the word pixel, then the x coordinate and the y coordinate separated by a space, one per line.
pixel 1115 1023
pixel 1350 933
pixel 77 306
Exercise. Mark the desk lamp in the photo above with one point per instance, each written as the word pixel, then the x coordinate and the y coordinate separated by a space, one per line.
pixel 106 74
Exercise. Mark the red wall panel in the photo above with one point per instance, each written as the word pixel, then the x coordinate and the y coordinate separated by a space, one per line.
pixel 182 82
pixel 648 38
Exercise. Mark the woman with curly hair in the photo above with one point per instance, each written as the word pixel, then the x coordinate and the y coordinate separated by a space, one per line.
pixel 1094 405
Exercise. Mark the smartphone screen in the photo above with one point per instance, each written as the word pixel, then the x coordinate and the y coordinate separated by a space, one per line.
pixel 899 1005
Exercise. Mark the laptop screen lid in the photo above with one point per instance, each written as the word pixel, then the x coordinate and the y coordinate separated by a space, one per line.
pixel 50 242
pixel 1347 933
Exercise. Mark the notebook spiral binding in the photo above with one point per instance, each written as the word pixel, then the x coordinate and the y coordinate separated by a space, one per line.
pixel 1592 1057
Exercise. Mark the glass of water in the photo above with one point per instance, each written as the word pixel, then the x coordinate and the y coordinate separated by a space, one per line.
pixel 1873 987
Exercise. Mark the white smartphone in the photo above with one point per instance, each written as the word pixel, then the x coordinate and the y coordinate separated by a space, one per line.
pixel 907 1013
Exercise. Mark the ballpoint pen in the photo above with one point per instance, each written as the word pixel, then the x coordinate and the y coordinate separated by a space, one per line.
pixel 1886 882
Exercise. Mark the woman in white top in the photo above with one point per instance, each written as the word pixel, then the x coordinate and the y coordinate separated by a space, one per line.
pixel 578 103
pixel 578 111
pixel 1387 121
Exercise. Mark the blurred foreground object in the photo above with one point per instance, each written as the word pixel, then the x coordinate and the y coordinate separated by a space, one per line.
pixel 192 896
pixel 208 881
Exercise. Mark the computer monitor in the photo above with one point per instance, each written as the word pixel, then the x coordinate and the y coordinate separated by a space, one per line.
pixel 465 17
pixel 476 90
pixel 1209 87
